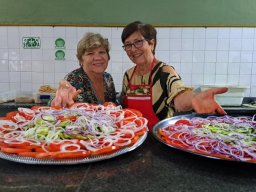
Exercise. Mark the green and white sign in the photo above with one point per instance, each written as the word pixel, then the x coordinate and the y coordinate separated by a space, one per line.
pixel 31 42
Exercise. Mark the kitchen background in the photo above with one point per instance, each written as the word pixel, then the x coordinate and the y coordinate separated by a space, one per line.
pixel 208 42
pixel 213 55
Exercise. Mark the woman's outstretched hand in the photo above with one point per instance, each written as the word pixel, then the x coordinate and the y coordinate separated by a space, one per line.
pixel 204 102
pixel 65 95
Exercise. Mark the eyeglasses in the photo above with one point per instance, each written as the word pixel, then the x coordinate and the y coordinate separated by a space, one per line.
pixel 137 44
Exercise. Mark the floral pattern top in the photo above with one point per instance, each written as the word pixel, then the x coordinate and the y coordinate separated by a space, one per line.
pixel 80 80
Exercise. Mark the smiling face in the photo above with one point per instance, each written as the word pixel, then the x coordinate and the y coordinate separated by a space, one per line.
pixel 139 55
pixel 95 60
pixel 93 53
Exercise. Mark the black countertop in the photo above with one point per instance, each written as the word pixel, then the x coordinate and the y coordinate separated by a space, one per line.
pixel 245 110
pixel 153 166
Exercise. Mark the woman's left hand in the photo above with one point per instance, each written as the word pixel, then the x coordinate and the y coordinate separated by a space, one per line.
pixel 204 102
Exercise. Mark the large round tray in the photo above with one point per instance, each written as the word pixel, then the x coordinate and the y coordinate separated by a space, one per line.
pixel 31 160
pixel 172 120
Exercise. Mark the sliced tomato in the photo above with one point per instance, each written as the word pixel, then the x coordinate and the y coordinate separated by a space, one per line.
pixel 39 108
pixel 35 148
pixel 221 156
pixel 130 119
pixel 56 108
pixel 122 141
pixel 105 150
pixel 27 113
pixel 116 114
pixel 36 107
pixel 176 135
pixel 54 147
pixel 109 104
pixel 175 143
pixel 79 105
pixel 160 132
pixel 134 140
pixel 251 161
pixel 14 150
pixel 11 115
pixel 131 112
pixel 28 154
pixel 45 155
pixel 140 121
pixel 66 118
pixel 141 132
pixel 126 136
pixel 183 122
pixel 3 144
pixel 27 117
pixel 125 121
pixel 18 144
pixel 72 155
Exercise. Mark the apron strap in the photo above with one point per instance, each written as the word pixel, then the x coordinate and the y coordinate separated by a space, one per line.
pixel 150 75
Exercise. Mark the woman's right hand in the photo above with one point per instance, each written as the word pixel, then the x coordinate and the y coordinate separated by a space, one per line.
pixel 65 95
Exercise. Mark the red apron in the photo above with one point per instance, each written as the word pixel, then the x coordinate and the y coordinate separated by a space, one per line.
pixel 142 101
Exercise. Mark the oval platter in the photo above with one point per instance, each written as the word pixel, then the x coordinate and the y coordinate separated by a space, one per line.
pixel 171 121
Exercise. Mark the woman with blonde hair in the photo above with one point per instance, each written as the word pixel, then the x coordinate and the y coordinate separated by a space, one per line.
pixel 89 83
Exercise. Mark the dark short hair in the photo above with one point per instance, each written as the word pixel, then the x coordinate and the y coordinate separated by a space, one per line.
pixel 147 31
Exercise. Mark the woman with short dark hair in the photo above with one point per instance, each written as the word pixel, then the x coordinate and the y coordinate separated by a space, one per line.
pixel 154 87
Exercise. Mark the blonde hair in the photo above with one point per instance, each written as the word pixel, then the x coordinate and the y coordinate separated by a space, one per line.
pixel 91 41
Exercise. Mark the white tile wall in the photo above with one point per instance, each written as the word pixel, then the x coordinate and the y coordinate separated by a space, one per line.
pixel 200 55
